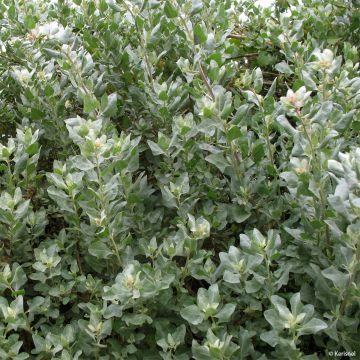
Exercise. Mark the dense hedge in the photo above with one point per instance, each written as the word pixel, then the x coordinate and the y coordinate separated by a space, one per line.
pixel 180 179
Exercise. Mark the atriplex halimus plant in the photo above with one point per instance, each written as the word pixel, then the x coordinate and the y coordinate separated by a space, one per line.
pixel 179 179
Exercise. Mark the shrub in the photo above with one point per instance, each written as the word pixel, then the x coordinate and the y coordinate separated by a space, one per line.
pixel 179 179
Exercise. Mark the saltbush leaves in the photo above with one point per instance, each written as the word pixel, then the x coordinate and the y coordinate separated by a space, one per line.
pixel 179 179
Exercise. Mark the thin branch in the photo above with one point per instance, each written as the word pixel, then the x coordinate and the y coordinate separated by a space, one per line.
pixel 236 36
pixel 270 73
pixel 142 43
pixel 206 82
pixel 201 69
pixel 242 56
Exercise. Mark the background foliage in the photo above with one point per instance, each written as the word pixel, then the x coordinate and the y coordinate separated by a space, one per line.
pixel 179 179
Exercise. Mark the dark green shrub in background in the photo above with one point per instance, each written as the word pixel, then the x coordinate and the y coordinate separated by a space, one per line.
pixel 179 179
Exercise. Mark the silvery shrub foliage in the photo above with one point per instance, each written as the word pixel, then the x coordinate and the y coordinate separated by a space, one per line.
pixel 180 179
